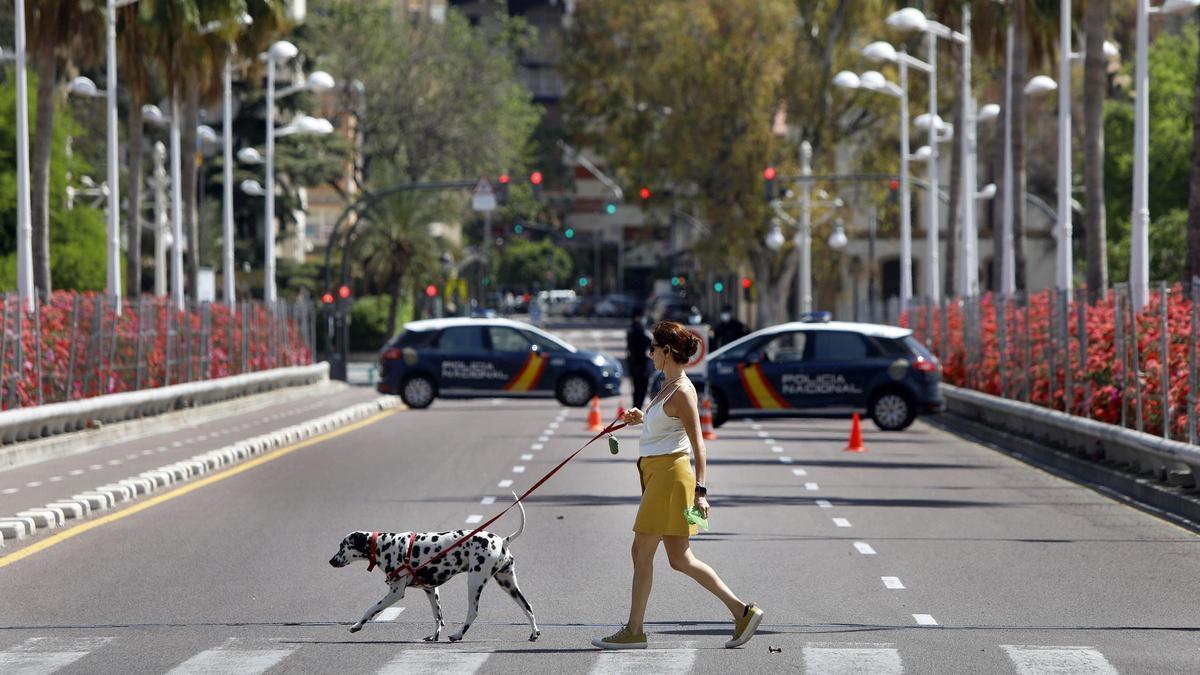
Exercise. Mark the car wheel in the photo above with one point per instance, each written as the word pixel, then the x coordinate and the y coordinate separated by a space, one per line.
pixel 720 409
pixel 892 411
pixel 575 391
pixel 417 391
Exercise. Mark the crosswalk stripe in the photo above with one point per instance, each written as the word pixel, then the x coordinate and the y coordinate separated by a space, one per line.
pixel 43 655
pixel 852 658
pixel 389 614
pixel 657 661
pixel 1039 660
pixel 225 660
pixel 434 662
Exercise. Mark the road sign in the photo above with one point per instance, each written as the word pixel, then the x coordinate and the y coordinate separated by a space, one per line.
pixel 484 197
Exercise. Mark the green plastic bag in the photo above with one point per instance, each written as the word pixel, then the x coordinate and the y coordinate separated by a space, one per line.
pixel 696 517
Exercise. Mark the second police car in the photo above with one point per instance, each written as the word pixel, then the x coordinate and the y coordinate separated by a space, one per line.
pixel 825 368
pixel 491 357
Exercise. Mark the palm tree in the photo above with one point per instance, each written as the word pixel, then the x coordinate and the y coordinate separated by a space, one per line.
pixel 60 31
pixel 397 244
pixel 1095 85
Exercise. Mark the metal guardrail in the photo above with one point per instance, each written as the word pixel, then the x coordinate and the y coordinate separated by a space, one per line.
pixel 1169 461
pixel 57 418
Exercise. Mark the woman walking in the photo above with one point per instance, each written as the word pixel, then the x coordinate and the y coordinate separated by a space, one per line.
pixel 670 439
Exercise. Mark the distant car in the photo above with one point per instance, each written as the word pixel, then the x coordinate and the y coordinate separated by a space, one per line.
pixel 825 368
pixel 580 306
pixel 615 305
pixel 491 357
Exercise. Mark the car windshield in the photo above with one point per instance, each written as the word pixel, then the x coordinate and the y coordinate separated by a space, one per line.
pixel 546 342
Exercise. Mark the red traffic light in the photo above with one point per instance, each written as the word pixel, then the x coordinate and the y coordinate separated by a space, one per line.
pixel 327 298
pixel 747 282
pixel 769 173
pixel 343 291
pixel 894 184
pixel 503 179
pixel 431 290
pixel 536 178
pixel 644 193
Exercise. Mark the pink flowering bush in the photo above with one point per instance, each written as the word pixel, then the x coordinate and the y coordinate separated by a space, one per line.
pixel 76 346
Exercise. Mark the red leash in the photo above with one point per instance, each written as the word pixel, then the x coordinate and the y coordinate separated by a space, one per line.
pixel 412 572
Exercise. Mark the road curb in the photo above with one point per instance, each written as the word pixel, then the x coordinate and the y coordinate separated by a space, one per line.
pixel 85 504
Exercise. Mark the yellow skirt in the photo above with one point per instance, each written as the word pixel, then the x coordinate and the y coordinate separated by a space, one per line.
pixel 668 488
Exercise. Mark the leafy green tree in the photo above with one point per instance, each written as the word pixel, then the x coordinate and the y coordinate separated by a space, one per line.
pixel 77 240
pixel 1172 70
pixel 523 263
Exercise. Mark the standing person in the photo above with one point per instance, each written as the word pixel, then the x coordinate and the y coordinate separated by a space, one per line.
pixel 729 329
pixel 637 342
pixel 670 438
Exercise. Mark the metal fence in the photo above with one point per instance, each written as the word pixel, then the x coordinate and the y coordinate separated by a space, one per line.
pixel 1102 361
pixel 76 346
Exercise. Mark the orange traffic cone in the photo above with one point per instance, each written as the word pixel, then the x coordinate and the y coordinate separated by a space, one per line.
pixel 706 425
pixel 856 442
pixel 593 420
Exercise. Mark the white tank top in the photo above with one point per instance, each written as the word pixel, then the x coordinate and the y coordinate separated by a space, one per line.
pixel 661 433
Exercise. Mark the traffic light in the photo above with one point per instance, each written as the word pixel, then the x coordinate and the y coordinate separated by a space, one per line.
pixel 583 282
pixel 327 298
pixel 518 228
pixel 644 193
pixel 569 233
pixel 502 189
pixel 610 208
pixel 431 291
pixel 747 289
pixel 344 292
pixel 769 183
pixel 535 179
pixel 719 286
pixel 678 280
pixel 893 190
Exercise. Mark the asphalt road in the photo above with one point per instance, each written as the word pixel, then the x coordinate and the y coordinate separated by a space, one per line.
pixel 1012 569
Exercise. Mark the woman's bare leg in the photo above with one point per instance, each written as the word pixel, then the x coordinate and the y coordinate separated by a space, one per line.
pixel 644 548
pixel 679 552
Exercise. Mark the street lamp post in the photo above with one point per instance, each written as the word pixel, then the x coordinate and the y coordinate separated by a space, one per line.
pixel 24 222
pixel 114 193
pixel 804 236
pixel 1139 253
pixel 280 52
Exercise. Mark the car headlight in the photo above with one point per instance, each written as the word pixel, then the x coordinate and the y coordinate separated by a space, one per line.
pixel 598 361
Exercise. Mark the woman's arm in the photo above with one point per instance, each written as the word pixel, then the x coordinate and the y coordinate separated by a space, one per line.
pixel 682 406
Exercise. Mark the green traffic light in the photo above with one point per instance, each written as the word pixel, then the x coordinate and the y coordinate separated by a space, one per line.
pixel 674 281
pixel 518 228
pixel 487 281
pixel 718 287
pixel 610 208
pixel 570 233
pixel 583 281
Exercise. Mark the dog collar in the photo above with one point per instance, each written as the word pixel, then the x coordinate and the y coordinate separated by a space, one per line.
pixel 371 547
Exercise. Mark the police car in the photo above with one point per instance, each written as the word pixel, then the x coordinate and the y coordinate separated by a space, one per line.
pixel 491 357
pixel 825 368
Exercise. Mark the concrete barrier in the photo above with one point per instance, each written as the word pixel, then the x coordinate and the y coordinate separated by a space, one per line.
pixel 26 424
pixel 1143 453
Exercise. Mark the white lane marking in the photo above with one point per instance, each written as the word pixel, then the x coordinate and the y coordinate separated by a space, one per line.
pixel 131 456
pixel 756 427
pixel 175 444
pixel 10 491
pixel 33 484
pixel 769 441
pixel 892 583
pixel 487 500
pixel 55 479
pixel 658 661
pixel 75 472
pixel 824 503
pixel 925 620
pixel 114 462
pixel 543 438
pixel 147 452
pixel 526 457
pixel 553 425
pixel 161 448
pixel 504 483
pixel 536 446
pixel 518 469
pixel 841 522
pixel 864 548
pixel 202 437
pixel 548 432
pixel 224 660
pixel 1036 660
pixel 763 434
pixel 389 614
pixel 39 655
pixel 811 486
pixel 434 662
pixel 778 448
pixel 785 459
pixel 799 472
pixel 850 658
pixel 474 518
pixel 96 467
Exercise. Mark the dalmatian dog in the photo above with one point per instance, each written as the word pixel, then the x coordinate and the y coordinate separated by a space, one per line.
pixel 400 555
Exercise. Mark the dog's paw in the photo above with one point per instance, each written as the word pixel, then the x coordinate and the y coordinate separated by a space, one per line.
pixel 432 638
pixel 535 635
pixel 355 628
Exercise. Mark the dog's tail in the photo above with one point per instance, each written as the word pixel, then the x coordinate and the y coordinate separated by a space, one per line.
pixel 520 529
